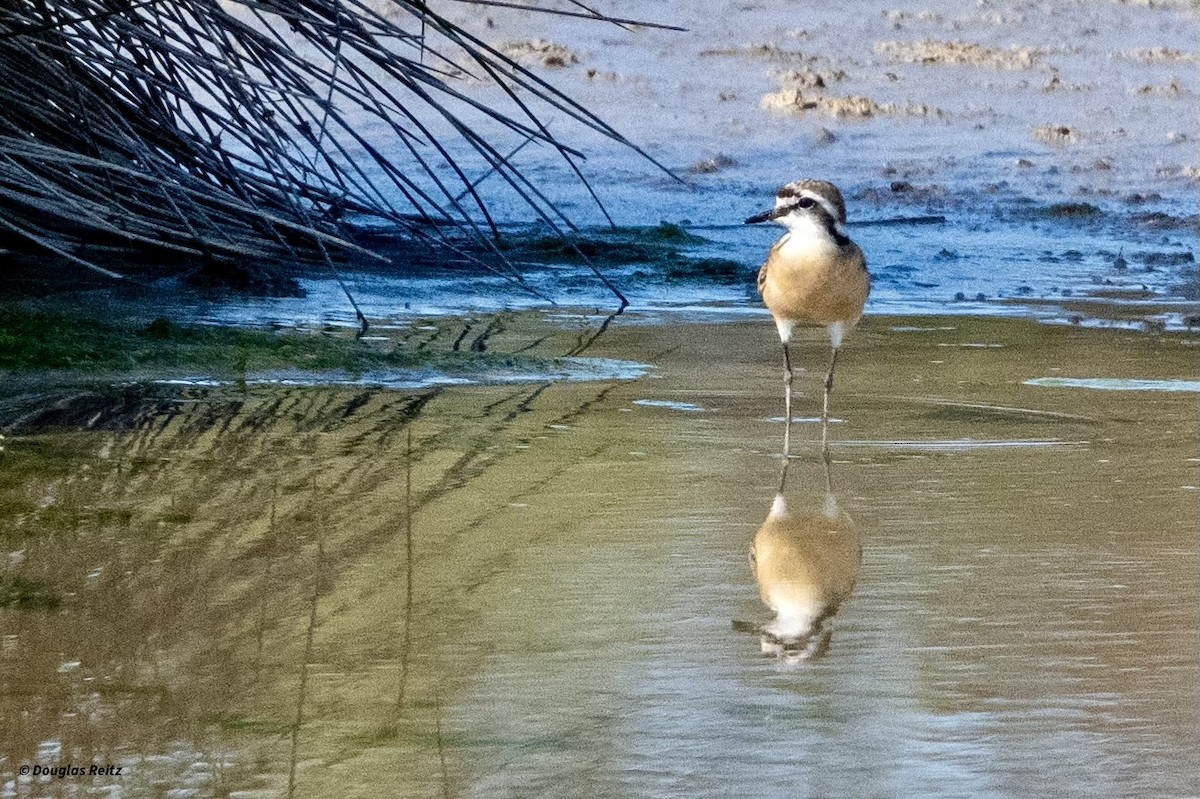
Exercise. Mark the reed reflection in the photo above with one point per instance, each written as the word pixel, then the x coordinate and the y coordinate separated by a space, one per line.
pixel 806 560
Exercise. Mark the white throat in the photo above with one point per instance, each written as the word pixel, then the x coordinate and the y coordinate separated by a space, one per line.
pixel 806 238
pixel 804 227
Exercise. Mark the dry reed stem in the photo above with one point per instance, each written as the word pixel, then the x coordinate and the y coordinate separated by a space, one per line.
pixel 228 132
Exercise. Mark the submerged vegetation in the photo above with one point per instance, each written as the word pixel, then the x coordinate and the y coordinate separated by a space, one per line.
pixel 22 594
pixel 226 137
pixel 32 340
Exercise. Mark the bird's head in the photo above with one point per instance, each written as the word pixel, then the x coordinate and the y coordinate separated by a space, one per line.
pixel 793 642
pixel 805 205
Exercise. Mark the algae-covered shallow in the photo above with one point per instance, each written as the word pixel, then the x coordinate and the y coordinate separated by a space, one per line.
pixel 543 589
pixel 41 346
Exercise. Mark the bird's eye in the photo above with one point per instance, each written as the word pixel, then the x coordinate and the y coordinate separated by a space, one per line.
pixel 806 202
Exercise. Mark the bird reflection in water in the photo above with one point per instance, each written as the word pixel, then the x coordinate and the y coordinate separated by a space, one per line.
pixel 806 562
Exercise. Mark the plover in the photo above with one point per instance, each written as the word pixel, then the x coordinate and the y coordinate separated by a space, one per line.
pixel 806 566
pixel 813 275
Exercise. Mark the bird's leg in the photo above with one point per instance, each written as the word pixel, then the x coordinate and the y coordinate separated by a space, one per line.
pixel 783 473
pixel 828 389
pixel 787 402
pixel 826 459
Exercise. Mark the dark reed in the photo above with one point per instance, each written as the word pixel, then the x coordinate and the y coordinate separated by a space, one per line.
pixel 214 134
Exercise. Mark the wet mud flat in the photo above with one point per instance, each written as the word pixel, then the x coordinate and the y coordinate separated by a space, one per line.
pixel 530 588
pixel 993 105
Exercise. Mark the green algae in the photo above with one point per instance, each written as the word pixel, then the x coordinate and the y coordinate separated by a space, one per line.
pixel 21 593
pixel 652 244
pixel 51 339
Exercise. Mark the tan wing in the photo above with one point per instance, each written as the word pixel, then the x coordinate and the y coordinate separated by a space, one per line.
pixel 762 270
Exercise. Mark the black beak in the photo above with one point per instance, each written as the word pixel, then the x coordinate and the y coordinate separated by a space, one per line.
pixel 766 216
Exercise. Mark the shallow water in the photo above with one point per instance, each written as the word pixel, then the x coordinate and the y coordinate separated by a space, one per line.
pixel 540 589
pixel 970 264
pixel 1096 227
pixel 1111 384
